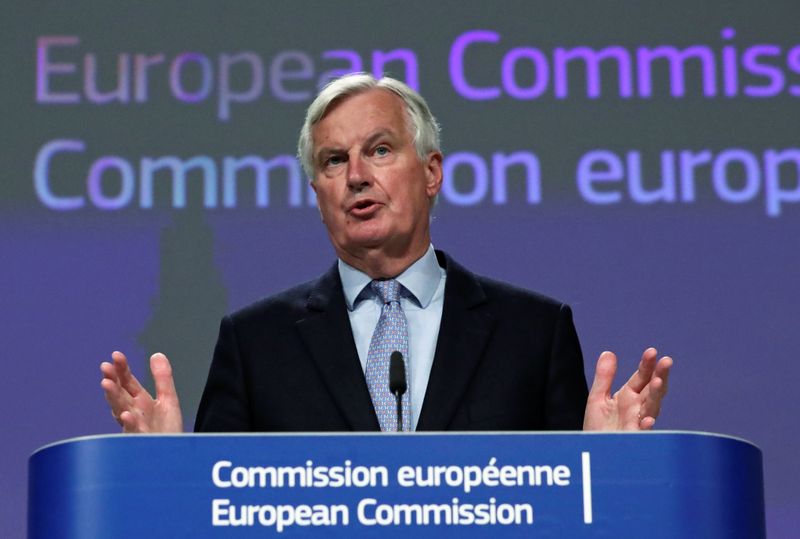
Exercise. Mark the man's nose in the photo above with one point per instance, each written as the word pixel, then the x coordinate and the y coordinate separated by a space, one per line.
pixel 358 173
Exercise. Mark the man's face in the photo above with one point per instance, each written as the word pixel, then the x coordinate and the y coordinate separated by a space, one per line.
pixel 373 191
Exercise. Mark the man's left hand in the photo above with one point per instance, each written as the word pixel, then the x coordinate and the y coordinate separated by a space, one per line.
pixel 637 404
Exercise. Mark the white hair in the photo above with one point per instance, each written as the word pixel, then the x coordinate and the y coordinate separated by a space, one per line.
pixel 422 125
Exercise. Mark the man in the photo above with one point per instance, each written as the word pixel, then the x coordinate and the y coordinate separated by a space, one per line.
pixel 480 355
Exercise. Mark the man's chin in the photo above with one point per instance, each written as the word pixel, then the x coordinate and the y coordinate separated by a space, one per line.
pixel 367 244
pixel 363 245
pixel 368 233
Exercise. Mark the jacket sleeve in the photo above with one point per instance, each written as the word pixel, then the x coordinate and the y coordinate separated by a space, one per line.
pixel 225 405
pixel 566 384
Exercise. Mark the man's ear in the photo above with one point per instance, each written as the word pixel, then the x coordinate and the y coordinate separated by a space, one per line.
pixel 433 174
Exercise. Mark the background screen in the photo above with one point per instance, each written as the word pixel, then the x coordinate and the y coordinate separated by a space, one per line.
pixel 637 160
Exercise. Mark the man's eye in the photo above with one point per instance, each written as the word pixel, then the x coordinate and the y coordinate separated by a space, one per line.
pixel 333 160
pixel 381 150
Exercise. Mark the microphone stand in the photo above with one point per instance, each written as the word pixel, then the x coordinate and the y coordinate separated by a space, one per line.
pixel 397 384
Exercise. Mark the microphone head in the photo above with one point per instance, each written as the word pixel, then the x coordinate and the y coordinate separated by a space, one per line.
pixel 397 373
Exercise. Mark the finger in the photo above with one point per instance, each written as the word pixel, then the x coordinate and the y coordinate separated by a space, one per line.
pixel 647 423
pixel 126 378
pixel 129 422
pixel 663 368
pixel 639 380
pixel 109 372
pixel 162 375
pixel 110 384
pixel 117 398
pixel 603 376
pixel 657 388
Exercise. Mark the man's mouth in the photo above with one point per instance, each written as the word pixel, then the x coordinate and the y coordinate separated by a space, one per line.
pixel 364 208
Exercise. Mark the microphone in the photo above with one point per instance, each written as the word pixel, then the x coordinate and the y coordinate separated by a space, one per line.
pixel 397 384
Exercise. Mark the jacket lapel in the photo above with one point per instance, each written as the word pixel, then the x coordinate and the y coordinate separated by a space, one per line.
pixel 464 330
pixel 327 334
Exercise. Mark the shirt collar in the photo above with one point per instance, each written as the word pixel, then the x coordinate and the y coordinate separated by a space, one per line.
pixel 420 279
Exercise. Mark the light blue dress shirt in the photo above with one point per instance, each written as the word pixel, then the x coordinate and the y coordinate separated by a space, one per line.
pixel 422 299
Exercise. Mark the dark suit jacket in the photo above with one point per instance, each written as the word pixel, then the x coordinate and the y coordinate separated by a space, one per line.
pixel 506 359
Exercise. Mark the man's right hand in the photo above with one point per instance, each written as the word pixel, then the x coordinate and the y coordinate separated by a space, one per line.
pixel 132 406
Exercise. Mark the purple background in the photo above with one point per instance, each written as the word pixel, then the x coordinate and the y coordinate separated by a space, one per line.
pixel 711 283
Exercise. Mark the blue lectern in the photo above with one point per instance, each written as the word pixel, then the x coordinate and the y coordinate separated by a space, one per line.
pixel 649 485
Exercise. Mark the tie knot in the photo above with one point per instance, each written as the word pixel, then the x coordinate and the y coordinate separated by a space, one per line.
pixel 388 290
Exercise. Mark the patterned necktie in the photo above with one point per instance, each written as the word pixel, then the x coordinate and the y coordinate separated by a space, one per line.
pixel 390 334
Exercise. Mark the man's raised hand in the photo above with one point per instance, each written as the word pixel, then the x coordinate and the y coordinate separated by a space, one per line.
pixel 637 404
pixel 132 406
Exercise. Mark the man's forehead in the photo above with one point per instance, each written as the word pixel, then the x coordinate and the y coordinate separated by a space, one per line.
pixel 363 114
pixel 384 98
